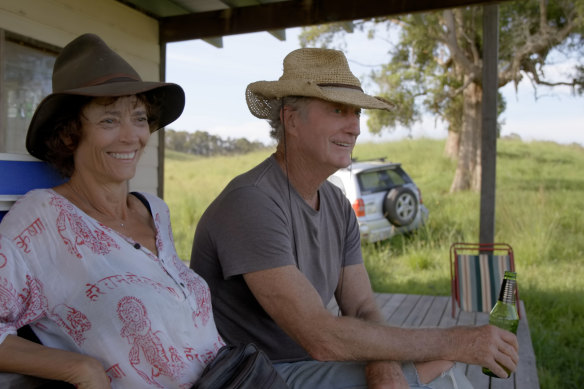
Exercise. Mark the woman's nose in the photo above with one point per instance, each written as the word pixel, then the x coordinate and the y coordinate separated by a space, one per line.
pixel 129 131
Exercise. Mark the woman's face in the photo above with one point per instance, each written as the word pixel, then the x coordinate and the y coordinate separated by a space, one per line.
pixel 114 135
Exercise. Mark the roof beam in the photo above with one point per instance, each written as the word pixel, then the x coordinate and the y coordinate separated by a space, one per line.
pixel 288 14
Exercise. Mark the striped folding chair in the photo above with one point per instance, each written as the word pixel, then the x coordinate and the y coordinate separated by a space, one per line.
pixel 476 274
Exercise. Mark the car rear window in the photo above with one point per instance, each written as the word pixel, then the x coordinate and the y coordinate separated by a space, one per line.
pixel 381 180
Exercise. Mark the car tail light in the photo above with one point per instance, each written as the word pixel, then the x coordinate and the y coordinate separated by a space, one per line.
pixel 420 196
pixel 359 207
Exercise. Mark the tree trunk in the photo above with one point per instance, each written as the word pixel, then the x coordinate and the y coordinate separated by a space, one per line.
pixel 468 170
pixel 452 144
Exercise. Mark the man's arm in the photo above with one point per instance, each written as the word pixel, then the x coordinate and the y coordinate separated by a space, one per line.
pixel 355 298
pixel 289 298
pixel 354 295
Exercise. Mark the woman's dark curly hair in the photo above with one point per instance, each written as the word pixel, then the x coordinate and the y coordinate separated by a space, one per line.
pixel 67 125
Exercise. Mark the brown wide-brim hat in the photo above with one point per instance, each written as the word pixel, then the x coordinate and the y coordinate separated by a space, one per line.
pixel 88 67
pixel 312 72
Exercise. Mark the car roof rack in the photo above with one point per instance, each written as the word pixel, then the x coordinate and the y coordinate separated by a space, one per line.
pixel 381 159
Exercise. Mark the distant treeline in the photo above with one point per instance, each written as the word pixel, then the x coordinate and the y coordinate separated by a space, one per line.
pixel 205 144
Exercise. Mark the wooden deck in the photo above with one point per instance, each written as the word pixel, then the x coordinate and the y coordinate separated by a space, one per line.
pixel 436 311
pixel 408 310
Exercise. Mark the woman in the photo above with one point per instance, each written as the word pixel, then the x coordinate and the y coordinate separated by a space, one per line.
pixel 90 267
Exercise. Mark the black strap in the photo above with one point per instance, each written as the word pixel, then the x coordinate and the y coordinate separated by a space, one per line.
pixel 143 200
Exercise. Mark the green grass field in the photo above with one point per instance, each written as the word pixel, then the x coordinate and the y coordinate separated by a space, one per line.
pixel 539 211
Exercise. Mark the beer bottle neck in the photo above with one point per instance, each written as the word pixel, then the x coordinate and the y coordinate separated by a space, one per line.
pixel 507 294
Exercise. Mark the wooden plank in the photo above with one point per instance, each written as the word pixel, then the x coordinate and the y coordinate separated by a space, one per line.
pixel 418 312
pixel 288 14
pixel 402 312
pixel 503 383
pixel 447 320
pixel 489 122
pixel 436 311
pixel 527 369
pixel 383 299
pixel 429 311
pixel 392 305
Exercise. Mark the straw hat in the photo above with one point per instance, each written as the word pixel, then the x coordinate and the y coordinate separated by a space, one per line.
pixel 88 67
pixel 312 72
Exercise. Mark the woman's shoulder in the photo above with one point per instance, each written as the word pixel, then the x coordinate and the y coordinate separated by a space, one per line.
pixel 33 200
pixel 39 193
pixel 33 204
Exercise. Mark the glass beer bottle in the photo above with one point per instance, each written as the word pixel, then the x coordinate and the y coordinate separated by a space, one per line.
pixel 504 313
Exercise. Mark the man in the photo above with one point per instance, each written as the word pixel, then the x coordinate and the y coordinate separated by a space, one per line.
pixel 280 241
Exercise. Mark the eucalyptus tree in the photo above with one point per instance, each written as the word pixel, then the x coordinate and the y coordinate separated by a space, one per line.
pixel 436 65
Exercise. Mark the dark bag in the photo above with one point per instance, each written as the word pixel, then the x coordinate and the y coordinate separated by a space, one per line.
pixel 242 366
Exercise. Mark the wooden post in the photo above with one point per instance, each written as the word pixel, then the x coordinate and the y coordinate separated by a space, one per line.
pixel 489 123
pixel 161 142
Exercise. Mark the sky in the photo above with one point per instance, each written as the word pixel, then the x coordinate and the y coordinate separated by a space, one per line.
pixel 214 80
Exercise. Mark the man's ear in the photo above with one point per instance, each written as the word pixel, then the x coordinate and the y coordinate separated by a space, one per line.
pixel 289 118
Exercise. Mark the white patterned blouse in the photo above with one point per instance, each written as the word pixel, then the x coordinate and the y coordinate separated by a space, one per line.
pixel 86 288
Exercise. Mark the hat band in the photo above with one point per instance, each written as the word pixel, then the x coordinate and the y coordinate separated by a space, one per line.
pixel 342 86
pixel 116 77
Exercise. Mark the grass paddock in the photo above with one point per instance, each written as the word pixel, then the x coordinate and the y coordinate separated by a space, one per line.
pixel 539 212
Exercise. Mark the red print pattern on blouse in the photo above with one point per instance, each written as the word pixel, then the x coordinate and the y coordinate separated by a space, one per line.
pixel 197 288
pixel 75 323
pixel 159 241
pixel 34 229
pixel 144 341
pixel 25 306
pixel 115 372
pixel 69 223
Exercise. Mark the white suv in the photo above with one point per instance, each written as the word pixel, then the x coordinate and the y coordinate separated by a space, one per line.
pixel 385 199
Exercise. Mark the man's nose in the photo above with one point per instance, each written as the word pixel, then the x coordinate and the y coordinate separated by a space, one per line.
pixel 355 125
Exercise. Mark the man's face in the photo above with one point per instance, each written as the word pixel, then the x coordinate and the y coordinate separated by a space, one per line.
pixel 326 134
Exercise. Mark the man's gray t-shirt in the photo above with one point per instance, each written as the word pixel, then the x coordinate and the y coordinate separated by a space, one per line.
pixel 260 222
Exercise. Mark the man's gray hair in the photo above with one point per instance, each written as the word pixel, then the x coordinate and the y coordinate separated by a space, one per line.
pixel 296 102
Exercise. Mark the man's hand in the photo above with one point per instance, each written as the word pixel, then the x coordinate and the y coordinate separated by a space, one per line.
pixel 490 347
pixel 385 375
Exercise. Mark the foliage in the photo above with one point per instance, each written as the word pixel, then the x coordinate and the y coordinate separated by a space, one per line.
pixel 205 144
pixel 434 52
pixel 539 211
pixel 436 65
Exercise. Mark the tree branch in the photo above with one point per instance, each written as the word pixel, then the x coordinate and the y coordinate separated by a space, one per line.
pixel 455 51
pixel 539 44
pixel 462 31
pixel 458 91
